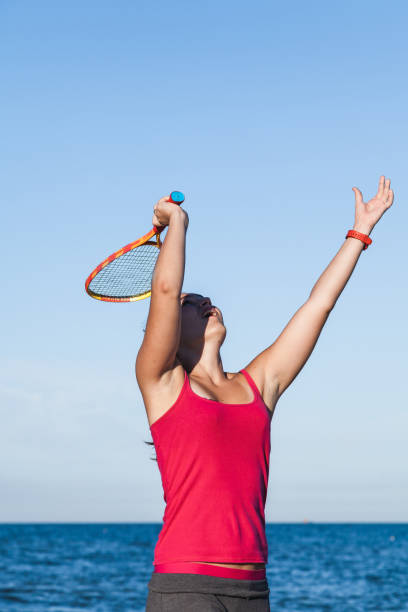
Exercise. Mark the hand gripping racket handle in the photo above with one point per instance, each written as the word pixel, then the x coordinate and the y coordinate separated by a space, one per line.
pixel 176 197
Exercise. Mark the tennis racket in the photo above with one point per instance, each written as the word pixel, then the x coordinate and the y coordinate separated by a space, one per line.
pixel 126 275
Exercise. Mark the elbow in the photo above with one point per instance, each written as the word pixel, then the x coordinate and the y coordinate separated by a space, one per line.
pixel 324 304
pixel 164 287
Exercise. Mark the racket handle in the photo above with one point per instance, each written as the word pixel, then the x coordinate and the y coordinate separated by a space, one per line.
pixel 176 197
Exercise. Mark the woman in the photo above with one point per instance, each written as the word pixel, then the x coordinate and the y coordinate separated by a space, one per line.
pixel 211 428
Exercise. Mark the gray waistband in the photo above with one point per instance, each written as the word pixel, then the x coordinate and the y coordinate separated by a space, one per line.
pixel 198 583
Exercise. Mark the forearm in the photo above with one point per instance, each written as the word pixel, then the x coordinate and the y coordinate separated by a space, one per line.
pixel 332 281
pixel 169 270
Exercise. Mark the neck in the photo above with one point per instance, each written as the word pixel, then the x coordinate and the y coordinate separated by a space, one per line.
pixel 207 365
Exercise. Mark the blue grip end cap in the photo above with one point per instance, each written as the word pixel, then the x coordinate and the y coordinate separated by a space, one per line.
pixel 177 197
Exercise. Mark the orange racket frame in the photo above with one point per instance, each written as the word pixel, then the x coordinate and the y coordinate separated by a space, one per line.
pixel 146 239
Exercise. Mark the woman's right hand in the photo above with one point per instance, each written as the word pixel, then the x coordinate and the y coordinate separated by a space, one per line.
pixel 163 211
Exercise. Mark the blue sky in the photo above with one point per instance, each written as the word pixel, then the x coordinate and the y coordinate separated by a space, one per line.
pixel 265 115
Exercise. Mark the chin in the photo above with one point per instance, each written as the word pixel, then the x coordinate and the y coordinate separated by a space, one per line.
pixel 218 331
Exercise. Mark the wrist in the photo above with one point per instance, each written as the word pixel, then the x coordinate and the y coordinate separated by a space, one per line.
pixel 363 229
pixel 178 215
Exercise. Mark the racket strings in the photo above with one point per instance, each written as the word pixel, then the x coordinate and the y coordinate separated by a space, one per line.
pixel 130 275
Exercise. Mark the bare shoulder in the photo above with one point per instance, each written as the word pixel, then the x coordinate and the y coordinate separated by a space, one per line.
pixel 268 386
pixel 160 394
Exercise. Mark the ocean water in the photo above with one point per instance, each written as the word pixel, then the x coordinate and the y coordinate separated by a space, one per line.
pixel 106 567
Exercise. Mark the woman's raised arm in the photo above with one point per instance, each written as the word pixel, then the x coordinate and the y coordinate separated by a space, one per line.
pixel 276 367
pixel 158 351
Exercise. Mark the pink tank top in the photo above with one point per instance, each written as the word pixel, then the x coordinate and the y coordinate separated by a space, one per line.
pixel 214 464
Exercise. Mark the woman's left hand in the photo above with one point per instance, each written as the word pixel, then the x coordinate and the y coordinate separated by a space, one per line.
pixel 368 214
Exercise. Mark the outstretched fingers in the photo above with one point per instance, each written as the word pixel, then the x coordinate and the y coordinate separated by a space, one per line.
pixel 385 194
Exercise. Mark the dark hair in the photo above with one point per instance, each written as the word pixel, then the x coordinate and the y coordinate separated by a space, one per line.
pixel 150 444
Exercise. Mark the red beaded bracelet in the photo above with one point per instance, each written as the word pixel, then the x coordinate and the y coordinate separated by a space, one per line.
pixel 363 237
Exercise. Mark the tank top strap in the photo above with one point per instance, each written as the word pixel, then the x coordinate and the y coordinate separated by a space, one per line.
pixel 251 383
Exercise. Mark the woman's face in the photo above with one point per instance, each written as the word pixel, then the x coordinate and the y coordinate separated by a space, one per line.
pixel 200 320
